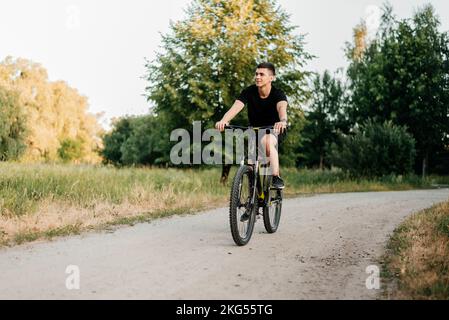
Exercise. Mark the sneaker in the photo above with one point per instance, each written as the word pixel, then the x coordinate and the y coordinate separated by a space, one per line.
pixel 278 183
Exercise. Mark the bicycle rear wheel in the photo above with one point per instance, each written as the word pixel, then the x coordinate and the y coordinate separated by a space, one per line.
pixel 242 214
pixel 272 211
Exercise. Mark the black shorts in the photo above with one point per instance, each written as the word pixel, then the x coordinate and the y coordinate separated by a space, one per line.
pixel 282 137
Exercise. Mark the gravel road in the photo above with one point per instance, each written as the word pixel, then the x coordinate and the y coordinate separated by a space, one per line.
pixel 322 250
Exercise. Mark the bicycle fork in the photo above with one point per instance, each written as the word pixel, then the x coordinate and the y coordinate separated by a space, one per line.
pixel 255 182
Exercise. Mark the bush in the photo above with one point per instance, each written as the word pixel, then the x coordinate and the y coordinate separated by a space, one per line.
pixel 71 150
pixel 375 150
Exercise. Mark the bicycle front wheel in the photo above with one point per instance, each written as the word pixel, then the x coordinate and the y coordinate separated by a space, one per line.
pixel 242 214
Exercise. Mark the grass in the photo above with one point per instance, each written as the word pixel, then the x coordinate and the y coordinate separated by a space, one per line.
pixel 416 265
pixel 45 201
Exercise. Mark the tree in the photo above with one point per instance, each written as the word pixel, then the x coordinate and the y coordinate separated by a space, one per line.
pixel 114 140
pixel 54 111
pixel 137 140
pixel 403 76
pixel 148 143
pixel 12 126
pixel 209 57
pixel 325 117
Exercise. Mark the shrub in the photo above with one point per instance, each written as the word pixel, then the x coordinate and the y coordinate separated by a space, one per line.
pixel 375 150
pixel 71 150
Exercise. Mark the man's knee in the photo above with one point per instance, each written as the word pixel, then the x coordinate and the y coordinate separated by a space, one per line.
pixel 269 142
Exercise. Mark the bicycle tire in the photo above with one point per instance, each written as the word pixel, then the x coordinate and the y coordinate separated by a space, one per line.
pixel 271 220
pixel 235 205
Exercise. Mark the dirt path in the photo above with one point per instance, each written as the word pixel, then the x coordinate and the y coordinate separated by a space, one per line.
pixel 322 250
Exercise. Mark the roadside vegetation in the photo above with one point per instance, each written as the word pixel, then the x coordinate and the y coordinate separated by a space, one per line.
pixel 43 201
pixel 416 265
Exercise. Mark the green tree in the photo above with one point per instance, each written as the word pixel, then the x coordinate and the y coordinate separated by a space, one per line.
pixel 403 76
pixel 325 117
pixel 148 143
pixel 13 129
pixel 209 57
pixel 137 140
pixel 113 141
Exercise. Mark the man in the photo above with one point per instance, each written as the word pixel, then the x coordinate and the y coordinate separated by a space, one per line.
pixel 267 106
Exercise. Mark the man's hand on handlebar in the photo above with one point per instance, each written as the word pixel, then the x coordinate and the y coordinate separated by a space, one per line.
pixel 280 127
pixel 221 125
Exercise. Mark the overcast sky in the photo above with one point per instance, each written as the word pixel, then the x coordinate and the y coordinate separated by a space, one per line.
pixel 99 46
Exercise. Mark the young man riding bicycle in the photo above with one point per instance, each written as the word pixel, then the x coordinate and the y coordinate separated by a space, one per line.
pixel 267 106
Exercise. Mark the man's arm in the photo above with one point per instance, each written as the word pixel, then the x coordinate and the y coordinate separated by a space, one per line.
pixel 231 114
pixel 282 110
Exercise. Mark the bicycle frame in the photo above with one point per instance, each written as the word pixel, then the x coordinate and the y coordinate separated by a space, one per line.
pixel 257 183
pixel 261 185
pixel 242 221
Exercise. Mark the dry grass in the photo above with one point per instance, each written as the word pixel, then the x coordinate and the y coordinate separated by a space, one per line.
pixel 52 219
pixel 45 201
pixel 417 261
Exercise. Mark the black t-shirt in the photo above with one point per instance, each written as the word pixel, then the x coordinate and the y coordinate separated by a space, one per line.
pixel 262 112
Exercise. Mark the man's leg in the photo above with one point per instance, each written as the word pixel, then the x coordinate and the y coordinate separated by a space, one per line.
pixel 269 141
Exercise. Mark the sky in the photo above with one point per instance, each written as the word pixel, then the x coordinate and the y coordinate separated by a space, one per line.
pixel 99 46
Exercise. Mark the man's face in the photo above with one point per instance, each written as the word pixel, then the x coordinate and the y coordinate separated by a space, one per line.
pixel 263 77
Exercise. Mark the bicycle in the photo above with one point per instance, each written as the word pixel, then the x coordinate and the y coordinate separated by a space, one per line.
pixel 249 193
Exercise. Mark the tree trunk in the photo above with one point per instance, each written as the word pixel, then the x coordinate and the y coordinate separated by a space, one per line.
pixel 225 170
pixel 321 162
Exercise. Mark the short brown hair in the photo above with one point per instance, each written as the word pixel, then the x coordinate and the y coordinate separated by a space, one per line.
pixel 267 65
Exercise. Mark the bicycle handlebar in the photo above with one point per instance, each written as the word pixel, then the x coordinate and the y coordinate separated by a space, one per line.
pixel 245 128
